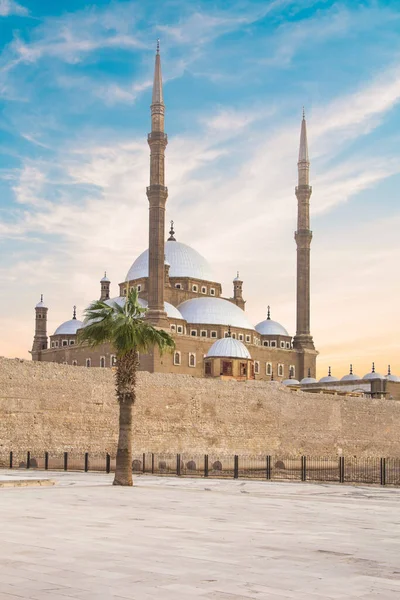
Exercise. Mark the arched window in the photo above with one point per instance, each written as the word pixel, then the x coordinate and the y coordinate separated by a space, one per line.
pixel 102 361
pixel 88 362
pixel 177 358
pixel 192 359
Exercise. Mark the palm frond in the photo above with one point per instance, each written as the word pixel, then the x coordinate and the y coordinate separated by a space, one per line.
pixel 123 326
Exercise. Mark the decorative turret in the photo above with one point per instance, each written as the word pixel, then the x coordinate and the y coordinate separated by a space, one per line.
pixel 303 236
pixel 40 338
pixel 238 292
pixel 157 195
pixel 105 288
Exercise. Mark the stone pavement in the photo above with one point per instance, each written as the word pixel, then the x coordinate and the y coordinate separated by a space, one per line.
pixel 183 539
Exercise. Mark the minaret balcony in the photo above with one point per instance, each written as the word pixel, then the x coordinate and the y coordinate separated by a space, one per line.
pixel 155 188
pixel 157 136
pixel 303 188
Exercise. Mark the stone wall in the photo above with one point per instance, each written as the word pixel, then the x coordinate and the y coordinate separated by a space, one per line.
pixel 45 406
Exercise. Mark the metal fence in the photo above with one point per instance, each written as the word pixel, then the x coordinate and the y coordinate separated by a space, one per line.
pixel 384 471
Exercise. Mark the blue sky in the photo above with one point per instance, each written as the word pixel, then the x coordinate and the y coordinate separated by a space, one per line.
pixel 75 85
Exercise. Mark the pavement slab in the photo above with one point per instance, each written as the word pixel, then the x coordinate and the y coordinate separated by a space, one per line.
pixel 186 539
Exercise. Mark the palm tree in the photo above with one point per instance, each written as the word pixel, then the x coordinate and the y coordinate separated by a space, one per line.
pixel 129 333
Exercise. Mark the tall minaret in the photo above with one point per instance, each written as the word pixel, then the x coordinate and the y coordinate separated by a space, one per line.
pixel 303 236
pixel 40 339
pixel 157 194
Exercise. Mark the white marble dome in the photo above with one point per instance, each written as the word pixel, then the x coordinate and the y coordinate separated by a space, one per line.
pixel 373 374
pixel 391 377
pixel 172 311
pixel 184 261
pixel 270 327
pixel 228 348
pixel 308 380
pixel 289 382
pixel 328 378
pixel 350 377
pixel 69 327
pixel 214 311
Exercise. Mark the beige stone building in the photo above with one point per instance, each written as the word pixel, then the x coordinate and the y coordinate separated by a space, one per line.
pixel 176 285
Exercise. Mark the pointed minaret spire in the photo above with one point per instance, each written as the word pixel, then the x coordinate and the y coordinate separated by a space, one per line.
pixel 157 194
pixel 74 312
pixel 303 236
pixel 157 97
pixel 304 162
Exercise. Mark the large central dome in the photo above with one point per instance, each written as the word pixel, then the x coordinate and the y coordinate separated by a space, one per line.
pixel 183 260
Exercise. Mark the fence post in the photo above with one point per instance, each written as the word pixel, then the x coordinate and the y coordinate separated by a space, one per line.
pixel 178 465
pixel 86 462
pixel 152 463
pixel 11 460
pixel 108 463
pixel 341 469
pixel 46 461
pixel 28 460
pixel 268 468
pixel 144 462
pixel 383 471
pixel 206 465
pixel 236 467
pixel 303 468
pixel 65 461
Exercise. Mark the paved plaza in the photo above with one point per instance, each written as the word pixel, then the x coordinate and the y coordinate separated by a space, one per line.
pixel 178 539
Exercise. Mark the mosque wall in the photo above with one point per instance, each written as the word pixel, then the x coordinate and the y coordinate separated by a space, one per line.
pixel 188 345
pixel 46 406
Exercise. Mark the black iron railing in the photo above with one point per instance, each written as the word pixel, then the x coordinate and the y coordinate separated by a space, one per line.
pixel 343 469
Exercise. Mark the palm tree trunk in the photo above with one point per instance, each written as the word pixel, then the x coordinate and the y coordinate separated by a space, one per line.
pixel 125 382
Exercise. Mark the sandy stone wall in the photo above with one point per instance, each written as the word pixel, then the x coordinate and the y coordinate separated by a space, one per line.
pixel 45 406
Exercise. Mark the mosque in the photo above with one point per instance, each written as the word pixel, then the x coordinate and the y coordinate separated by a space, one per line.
pixel 213 335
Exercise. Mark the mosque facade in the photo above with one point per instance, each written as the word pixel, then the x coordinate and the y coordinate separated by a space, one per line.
pixel 213 334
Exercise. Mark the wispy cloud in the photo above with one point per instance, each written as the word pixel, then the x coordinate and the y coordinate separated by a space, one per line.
pixel 10 7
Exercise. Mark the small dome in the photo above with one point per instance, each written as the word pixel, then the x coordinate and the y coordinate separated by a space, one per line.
pixel 308 380
pixel 373 374
pixel 228 348
pixel 391 377
pixel 69 327
pixel 269 327
pixel 350 376
pixel 328 379
pixel 105 279
pixel 41 304
pixel 237 278
pixel 290 382
pixel 214 311
pixel 184 262
pixel 172 311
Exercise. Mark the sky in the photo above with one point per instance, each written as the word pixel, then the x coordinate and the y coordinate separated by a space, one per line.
pixel 75 90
